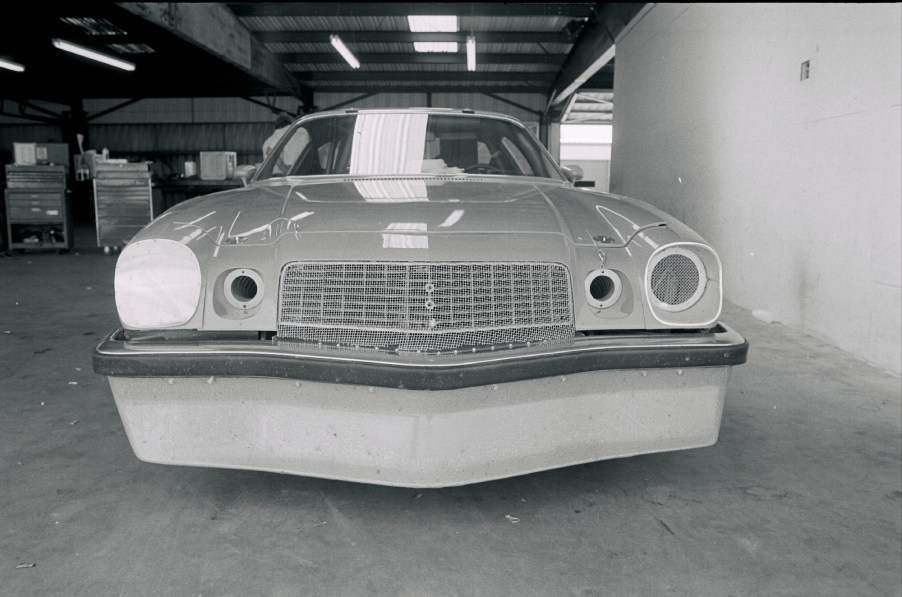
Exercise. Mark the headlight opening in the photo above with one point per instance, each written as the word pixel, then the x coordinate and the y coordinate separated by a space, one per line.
pixel 157 283
pixel 677 278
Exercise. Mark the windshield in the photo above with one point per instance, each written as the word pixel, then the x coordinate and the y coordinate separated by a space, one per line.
pixel 386 143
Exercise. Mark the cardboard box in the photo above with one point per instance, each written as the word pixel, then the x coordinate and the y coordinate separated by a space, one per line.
pixel 25 154
pixel 217 165
pixel 52 153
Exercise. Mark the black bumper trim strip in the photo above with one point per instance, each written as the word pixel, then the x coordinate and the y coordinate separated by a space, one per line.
pixel 115 357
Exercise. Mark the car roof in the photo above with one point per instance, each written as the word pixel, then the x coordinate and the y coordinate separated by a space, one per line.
pixel 412 110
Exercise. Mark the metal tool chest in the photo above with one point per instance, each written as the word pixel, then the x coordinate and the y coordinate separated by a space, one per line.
pixel 123 202
pixel 37 208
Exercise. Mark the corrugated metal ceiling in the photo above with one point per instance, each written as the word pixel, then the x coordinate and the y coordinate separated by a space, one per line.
pixel 521 47
pixel 342 23
pixel 509 42
pixel 422 68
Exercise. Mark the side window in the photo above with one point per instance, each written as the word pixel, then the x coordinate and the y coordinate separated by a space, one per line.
pixel 518 157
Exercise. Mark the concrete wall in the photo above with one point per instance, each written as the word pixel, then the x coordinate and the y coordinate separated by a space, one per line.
pixel 795 182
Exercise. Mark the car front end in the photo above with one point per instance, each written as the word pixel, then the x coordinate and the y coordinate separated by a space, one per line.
pixel 421 330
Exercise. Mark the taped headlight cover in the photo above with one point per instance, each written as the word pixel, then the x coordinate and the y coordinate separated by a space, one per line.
pixel 157 283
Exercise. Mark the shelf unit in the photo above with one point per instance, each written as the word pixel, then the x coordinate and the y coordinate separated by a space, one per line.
pixel 123 202
pixel 37 208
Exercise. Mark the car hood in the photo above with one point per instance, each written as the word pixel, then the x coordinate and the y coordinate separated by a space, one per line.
pixel 291 208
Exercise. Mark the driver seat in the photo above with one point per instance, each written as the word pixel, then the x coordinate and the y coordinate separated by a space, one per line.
pixel 459 153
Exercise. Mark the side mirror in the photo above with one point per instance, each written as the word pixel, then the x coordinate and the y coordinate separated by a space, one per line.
pixel 245 172
pixel 573 173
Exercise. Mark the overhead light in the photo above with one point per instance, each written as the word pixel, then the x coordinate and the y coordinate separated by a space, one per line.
pixel 94 26
pixel 76 49
pixel 344 51
pixel 11 65
pixel 131 48
pixel 471 53
pixel 435 46
pixel 433 23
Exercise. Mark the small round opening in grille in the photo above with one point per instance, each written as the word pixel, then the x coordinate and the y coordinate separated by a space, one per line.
pixel 676 279
pixel 603 288
pixel 243 288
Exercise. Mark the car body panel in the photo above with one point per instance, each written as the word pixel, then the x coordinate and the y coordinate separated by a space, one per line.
pixel 411 438
pixel 261 214
pixel 222 389
pixel 266 225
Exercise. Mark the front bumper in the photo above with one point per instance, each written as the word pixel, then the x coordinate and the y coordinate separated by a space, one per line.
pixel 116 356
pixel 378 418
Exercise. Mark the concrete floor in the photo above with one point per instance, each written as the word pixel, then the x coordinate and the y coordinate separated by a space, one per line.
pixel 802 495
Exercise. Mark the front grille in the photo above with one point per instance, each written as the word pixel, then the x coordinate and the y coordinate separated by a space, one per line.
pixel 424 307
pixel 674 279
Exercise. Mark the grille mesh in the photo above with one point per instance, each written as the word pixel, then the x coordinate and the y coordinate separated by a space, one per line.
pixel 426 307
pixel 674 279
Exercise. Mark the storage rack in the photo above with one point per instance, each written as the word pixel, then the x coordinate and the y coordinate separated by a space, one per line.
pixel 37 208
pixel 123 202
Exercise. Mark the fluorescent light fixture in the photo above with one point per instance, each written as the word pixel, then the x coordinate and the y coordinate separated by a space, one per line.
pixel 344 51
pixel 11 65
pixel 471 53
pixel 93 26
pixel 435 46
pixel 433 24
pixel 76 49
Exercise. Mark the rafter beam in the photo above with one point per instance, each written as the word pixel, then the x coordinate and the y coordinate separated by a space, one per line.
pixel 22 115
pixel 349 102
pixel 601 81
pixel 406 88
pixel 504 100
pixel 422 58
pixel 112 109
pixel 389 9
pixel 530 78
pixel 24 104
pixel 592 51
pixel 215 29
pixel 487 37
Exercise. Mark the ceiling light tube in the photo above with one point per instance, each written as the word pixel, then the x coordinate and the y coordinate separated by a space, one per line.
pixel 344 51
pixel 11 65
pixel 85 52
pixel 471 53
pixel 433 23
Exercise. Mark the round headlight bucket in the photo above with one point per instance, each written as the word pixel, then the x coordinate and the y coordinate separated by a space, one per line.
pixel 603 288
pixel 676 279
pixel 157 284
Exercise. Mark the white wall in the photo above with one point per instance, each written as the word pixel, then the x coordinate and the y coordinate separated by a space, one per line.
pixel 589 147
pixel 796 183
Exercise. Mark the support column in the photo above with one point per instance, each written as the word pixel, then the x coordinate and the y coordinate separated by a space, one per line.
pixel 554 140
pixel 72 123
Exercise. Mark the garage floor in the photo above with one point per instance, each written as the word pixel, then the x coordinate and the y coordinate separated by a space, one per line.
pixel 802 495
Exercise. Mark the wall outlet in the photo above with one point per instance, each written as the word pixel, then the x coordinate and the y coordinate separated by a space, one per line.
pixel 806 70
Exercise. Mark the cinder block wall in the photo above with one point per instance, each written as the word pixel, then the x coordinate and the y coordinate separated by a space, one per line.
pixel 795 182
